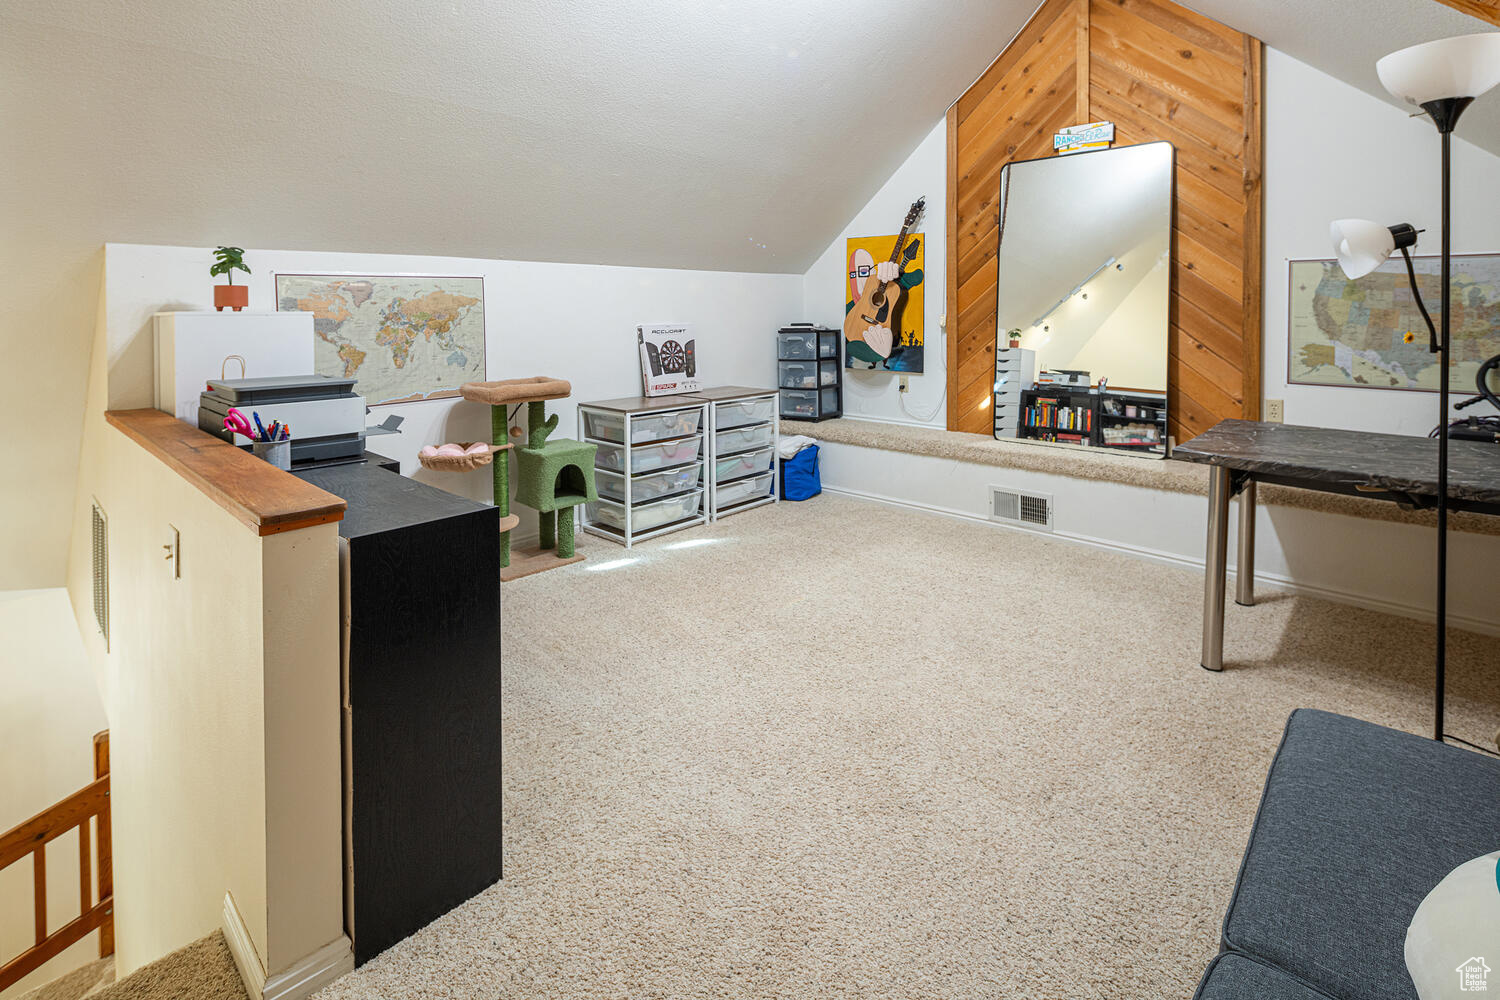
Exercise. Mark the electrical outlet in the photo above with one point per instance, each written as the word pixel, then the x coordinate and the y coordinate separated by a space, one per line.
pixel 1275 411
pixel 903 383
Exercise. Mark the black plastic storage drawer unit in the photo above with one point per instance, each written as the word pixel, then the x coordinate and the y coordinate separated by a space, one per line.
pixel 808 372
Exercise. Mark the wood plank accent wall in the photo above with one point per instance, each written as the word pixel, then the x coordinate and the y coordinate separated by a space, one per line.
pixel 1485 10
pixel 1158 71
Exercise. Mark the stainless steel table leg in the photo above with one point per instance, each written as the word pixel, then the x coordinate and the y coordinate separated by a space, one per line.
pixel 1214 567
pixel 1244 574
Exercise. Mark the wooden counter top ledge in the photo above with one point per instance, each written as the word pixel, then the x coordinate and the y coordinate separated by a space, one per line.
pixel 263 497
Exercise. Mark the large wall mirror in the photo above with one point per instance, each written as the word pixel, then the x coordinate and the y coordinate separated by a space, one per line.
pixel 1084 269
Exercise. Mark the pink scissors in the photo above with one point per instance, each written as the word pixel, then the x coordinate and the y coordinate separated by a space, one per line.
pixel 236 423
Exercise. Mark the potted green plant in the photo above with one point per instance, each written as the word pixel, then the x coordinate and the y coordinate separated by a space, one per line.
pixel 227 260
pixel 1014 336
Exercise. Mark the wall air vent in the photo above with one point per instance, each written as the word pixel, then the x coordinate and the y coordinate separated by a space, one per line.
pixel 1029 510
pixel 101 570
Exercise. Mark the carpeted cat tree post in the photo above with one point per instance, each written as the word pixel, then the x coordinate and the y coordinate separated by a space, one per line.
pixel 552 476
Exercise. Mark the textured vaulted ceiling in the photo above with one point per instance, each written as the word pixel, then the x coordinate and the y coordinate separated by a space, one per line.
pixel 656 132
pixel 1344 38
pixel 738 136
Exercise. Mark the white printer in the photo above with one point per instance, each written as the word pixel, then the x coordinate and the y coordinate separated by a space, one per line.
pixel 325 417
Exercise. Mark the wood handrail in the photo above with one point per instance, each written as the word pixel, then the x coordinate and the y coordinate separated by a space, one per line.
pixel 32 837
pixel 256 493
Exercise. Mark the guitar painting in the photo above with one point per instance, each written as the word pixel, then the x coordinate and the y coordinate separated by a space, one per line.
pixel 883 301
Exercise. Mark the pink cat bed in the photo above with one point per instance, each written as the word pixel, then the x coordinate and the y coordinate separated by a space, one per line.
pixel 460 457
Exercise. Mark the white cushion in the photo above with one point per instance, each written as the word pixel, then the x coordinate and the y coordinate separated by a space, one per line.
pixel 1454 937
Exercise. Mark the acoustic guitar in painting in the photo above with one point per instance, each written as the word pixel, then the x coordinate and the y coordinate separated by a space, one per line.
pixel 876 316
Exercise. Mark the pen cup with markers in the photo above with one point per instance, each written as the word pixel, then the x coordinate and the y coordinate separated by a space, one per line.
pixel 278 453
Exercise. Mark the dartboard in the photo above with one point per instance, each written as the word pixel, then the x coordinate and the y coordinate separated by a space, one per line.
pixel 673 358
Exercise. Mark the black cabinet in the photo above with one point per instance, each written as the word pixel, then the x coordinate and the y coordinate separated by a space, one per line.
pixel 422 807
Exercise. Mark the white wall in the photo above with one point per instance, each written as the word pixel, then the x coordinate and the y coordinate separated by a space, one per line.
pixel 874 395
pixel 571 321
pixel 1335 152
pixel 49 713
pixel 1375 564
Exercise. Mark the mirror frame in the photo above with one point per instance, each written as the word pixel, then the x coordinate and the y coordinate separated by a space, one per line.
pixel 1165 447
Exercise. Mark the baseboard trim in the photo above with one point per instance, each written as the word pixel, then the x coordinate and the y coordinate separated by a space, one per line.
pixel 301 979
pixel 314 972
pixel 246 958
pixel 1278 581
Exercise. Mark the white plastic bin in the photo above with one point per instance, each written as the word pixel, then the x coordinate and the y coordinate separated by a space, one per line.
pixel 743 489
pixel 649 486
pixel 645 517
pixel 742 439
pixel 649 457
pixel 644 427
pixel 747 464
pixel 743 412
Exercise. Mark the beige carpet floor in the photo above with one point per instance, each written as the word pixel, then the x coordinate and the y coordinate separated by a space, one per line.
pixel 836 749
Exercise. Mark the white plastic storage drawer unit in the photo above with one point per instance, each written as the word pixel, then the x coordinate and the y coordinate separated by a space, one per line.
pixel 736 466
pixel 1015 372
pixel 742 426
pixel 648 485
pixel 743 439
pixel 647 516
pixel 644 428
pixel 649 467
pixel 742 413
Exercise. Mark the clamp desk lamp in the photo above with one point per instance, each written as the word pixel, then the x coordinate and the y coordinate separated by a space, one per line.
pixel 1442 78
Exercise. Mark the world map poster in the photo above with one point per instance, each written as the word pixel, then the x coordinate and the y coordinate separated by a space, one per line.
pixel 400 337
pixel 1368 333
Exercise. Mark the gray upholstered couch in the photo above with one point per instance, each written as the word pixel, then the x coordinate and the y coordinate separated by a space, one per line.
pixel 1356 825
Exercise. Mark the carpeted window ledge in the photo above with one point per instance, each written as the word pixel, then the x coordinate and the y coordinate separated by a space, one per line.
pixel 1078 463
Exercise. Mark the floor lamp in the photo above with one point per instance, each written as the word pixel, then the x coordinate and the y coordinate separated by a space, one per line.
pixel 1442 78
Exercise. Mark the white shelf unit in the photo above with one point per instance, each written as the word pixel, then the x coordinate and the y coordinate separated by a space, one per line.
pixel 1015 372
pixel 648 485
pixel 743 425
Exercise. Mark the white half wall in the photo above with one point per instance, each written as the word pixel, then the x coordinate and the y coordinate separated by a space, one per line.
pixel 875 395
pixel 1334 152
pixel 1373 564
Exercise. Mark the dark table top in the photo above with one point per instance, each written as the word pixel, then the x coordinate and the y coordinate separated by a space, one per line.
pixel 1347 460
pixel 380 500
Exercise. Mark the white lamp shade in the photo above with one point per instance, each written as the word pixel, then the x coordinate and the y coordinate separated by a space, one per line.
pixel 1361 245
pixel 1463 66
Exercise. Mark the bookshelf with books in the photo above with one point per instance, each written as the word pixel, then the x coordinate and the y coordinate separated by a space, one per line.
pixel 1063 414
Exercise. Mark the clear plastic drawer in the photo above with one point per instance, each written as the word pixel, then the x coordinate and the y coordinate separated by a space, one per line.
pixel 797 345
pixel 649 457
pixel 643 427
pixel 649 486
pixel 743 489
pixel 742 439
pixel 645 517
pixel 828 373
pixel 748 411
pixel 796 374
pixel 748 464
pixel 799 402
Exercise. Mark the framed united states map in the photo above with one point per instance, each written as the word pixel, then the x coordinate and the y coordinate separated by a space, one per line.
pixel 401 337
pixel 1369 334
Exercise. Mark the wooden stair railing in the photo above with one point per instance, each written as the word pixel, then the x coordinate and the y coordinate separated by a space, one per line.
pixel 32 837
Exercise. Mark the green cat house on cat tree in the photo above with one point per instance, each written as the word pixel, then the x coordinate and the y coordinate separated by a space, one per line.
pixel 552 476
